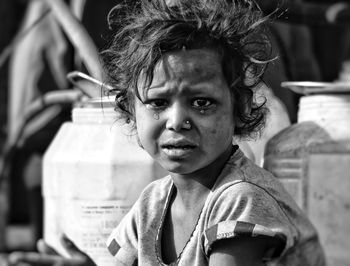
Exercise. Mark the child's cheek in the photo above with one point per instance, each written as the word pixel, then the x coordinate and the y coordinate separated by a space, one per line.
pixel 214 131
pixel 222 128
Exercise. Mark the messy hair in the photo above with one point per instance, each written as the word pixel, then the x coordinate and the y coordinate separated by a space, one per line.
pixel 144 31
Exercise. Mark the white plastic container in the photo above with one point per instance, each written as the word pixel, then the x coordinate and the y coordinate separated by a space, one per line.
pixel 312 160
pixel 93 172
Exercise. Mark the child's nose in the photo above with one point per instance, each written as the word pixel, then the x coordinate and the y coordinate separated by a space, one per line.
pixel 177 117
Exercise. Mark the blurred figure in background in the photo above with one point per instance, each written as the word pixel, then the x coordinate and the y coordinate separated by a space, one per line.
pixel 39 64
pixel 10 12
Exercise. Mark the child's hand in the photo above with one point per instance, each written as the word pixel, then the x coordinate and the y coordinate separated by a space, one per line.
pixel 48 256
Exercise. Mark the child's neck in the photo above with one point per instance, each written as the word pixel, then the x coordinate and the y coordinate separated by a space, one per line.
pixel 191 193
pixel 194 187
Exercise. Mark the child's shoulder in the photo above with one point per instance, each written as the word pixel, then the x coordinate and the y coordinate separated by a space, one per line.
pixel 249 200
pixel 246 186
pixel 244 176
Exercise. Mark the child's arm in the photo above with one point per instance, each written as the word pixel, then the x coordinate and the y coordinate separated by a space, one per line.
pixel 243 251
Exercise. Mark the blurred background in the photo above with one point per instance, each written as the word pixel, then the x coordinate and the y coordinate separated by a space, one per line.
pixel 36 55
pixel 311 39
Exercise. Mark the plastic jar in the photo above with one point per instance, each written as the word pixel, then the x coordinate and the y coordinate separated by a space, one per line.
pixel 312 159
pixel 93 172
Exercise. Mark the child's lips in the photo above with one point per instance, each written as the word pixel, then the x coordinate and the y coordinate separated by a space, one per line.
pixel 177 152
pixel 178 149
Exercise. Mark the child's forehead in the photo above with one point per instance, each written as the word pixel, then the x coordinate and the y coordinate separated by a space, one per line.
pixel 189 72
pixel 193 65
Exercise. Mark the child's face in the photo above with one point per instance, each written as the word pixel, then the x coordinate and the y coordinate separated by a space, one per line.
pixel 187 86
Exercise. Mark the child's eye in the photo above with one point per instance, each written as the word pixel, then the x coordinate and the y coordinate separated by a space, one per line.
pixel 202 103
pixel 157 103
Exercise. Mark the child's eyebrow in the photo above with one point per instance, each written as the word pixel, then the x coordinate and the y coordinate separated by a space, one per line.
pixel 195 89
pixel 199 88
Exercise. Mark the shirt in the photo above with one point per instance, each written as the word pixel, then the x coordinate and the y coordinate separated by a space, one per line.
pixel 245 200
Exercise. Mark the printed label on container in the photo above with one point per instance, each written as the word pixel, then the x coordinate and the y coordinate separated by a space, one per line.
pixel 88 224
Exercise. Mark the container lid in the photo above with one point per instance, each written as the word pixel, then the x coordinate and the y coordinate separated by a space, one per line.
pixel 310 87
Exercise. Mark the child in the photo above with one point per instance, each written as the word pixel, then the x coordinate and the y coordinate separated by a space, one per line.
pixel 185 73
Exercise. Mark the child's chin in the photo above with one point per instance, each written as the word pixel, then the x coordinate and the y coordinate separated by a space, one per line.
pixel 178 168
